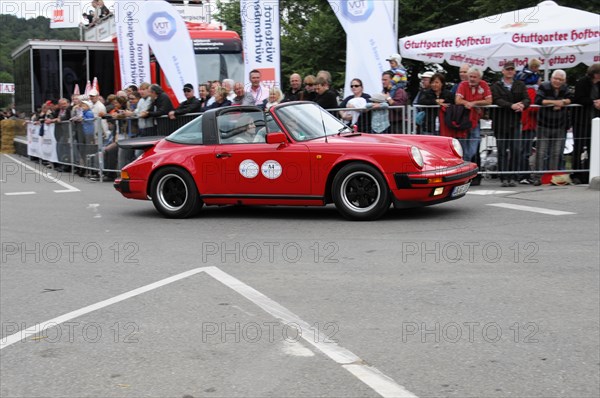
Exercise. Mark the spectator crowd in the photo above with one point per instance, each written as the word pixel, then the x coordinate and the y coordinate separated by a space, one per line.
pixel 530 117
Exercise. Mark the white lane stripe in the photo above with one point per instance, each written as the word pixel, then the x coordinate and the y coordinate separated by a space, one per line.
pixel 489 192
pixel 14 338
pixel 540 210
pixel 47 176
pixel 382 384
pixel 19 193
pixel 379 382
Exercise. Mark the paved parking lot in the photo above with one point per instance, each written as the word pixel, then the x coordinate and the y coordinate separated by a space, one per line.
pixel 493 295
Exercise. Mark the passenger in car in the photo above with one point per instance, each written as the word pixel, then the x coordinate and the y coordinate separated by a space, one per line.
pixel 249 133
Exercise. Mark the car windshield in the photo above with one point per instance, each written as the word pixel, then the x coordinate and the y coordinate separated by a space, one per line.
pixel 308 121
pixel 190 133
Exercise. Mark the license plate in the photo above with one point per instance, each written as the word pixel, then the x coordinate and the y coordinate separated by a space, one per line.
pixel 461 189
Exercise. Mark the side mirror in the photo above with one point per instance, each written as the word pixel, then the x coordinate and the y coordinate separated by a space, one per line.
pixel 277 137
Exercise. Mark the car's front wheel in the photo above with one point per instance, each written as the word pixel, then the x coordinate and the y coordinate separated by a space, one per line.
pixel 360 192
pixel 174 193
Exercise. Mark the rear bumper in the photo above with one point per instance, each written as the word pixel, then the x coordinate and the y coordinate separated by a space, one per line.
pixel 132 189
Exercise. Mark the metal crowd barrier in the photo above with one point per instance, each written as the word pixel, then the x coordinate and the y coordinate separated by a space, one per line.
pixel 507 145
pixel 508 141
pixel 92 153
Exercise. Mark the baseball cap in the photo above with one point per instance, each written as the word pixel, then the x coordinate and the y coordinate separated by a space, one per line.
pixel 188 85
pixel 425 74
pixel 508 64
pixel 395 57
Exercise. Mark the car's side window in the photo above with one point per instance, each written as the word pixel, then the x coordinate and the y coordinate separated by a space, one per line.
pixel 272 125
pixel 242 128
pixel 190 133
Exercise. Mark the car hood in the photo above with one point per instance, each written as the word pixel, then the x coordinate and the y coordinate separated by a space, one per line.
pixel 437 151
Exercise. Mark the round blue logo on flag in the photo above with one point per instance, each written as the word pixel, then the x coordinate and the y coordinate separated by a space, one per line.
pixel 357 10
pixel 161 26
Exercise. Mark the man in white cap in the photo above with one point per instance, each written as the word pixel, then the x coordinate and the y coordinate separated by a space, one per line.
pixel 424 85
pixel 99 110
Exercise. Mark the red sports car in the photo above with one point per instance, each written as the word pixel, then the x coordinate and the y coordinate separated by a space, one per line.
pixel 296 154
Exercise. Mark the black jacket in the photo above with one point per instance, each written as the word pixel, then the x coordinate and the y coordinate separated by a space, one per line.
pixel 428 97
pixel 192 105
pixel 162 105
pixel 291 96
pixel 583 96
pixel 505 120
pixel 547 116
pixel 327 100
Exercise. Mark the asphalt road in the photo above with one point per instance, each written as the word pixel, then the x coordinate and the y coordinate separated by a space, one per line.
pixel 472 298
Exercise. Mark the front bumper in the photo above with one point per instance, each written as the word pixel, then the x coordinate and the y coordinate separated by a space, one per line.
pixel 432 186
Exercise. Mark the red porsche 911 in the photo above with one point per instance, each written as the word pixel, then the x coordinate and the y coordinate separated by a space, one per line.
pixel 296 154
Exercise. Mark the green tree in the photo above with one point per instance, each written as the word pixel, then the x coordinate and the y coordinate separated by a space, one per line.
pixel 15 31
pixel 229 14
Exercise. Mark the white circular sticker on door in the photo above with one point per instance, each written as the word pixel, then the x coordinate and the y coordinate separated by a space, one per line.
pixel 271 169
pixel 249 168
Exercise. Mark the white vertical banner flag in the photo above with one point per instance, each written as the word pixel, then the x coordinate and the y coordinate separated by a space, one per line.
pixel 134 54
pixel 369 27
pixel 171 43
pixel 66 14
pixel 260 29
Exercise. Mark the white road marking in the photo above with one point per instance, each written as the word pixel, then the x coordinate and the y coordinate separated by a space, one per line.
pixel 489 192
pixel 382 384
pixel 40 327
pixel 296 349
pixel 532 209
pixel 19 193
pixel 385 386
pixel 379 382
pixel 48 177
pixel 94 207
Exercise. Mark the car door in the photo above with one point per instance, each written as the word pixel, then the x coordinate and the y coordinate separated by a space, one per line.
pixel 257 168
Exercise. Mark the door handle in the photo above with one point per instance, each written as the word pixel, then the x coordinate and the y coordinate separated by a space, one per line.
pixel 223 155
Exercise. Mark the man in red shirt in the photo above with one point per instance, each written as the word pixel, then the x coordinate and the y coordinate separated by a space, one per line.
pixel 473 93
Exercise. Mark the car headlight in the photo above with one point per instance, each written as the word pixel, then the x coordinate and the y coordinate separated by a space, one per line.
pixel 417 157
pixel 457 148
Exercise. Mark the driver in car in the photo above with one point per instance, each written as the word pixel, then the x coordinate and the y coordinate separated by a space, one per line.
pixel 249 133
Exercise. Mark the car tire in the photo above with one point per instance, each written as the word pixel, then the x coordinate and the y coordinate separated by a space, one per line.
pixel 174 193
pixel 360 192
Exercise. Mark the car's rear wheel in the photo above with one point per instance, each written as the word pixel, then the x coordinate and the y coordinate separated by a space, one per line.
pixel 174 193
pixel 360 192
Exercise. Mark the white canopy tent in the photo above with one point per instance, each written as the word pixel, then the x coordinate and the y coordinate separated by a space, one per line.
pixel 560 37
